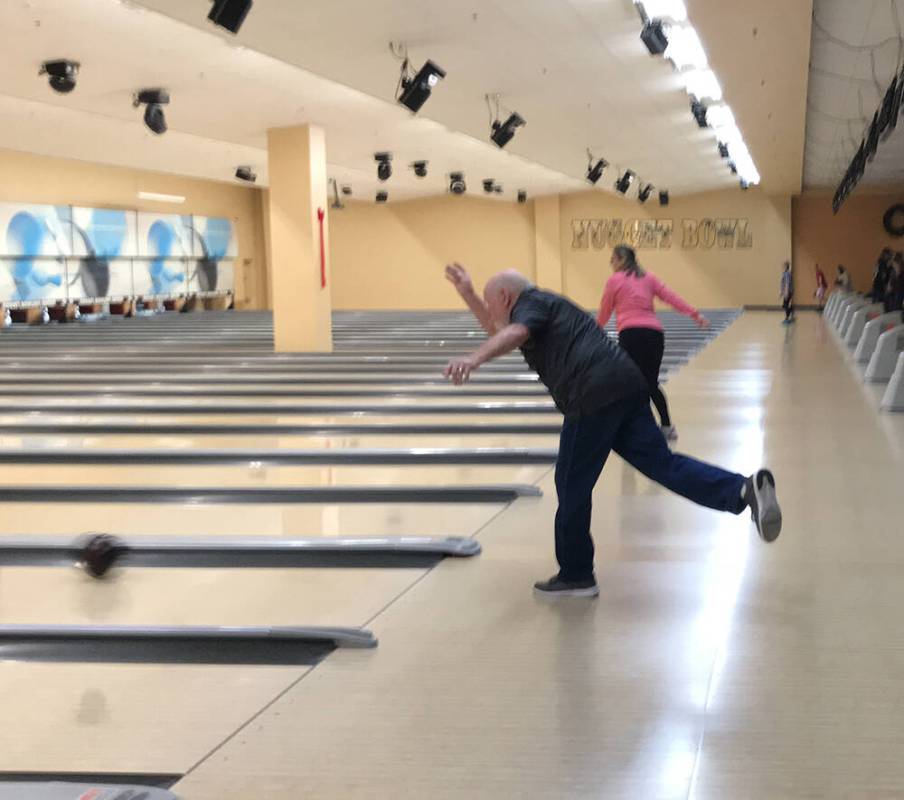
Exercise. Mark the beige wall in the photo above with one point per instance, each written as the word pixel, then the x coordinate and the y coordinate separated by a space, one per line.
pixel 392 255
pixel 706 273
pixel 31 178
pixel 854 237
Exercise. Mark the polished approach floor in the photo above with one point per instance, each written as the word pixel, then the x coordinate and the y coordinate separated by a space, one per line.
pixel 711 665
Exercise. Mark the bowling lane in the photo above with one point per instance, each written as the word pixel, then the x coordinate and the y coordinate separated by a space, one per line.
pixel 356 442
pixel 271 405
pixel 263 476
pixel 127 718
pixel 382 417
pixel 295 521
pixel 230 597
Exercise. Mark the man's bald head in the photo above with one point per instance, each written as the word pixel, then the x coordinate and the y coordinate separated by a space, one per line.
pixel 502 292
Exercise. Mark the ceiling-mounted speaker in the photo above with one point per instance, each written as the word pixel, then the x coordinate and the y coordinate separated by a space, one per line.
pixel 229 14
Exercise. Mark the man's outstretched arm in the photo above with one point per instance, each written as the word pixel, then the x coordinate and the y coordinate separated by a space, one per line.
pixel 459 278
pixel 510 337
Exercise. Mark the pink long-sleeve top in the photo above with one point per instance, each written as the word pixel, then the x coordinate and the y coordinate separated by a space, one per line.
pixel 632 300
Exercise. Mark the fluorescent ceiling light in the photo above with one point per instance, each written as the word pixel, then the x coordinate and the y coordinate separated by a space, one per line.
pixel 702 83
pixel 161 198
pixel 685 48
pixel 664 9
pixel 721 116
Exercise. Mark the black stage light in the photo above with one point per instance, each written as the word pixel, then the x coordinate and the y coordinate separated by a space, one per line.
pixel 230 14
pixel 522 196
pixel 504 131
pixel 382 197
pixel 153 100
pixel 415 91
pixel 420 168
pixel 645 191
pixel 384 165
pixel 664 197
pixel 489 185
pixel 653 36
pixel 595 171
pixel 723 150
pixel 625 181
pixel 457 183
pixel 246 174
pixel 733 167
pixel 62 74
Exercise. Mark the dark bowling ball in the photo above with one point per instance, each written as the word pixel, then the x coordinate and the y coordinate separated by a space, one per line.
pixel 100 553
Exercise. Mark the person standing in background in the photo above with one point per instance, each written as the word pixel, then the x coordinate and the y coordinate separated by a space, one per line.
pixel 787 294
pixel 843 281
pixel 894 297
pixel 880 276
pixel 630 293
pixel 822 286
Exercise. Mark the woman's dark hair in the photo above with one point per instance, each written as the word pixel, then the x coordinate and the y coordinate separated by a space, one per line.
pixel 628 255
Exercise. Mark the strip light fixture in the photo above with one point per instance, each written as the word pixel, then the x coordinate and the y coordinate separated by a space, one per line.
pixel 688 56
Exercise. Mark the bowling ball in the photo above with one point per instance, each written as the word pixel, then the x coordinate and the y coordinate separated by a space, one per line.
pixel 99 553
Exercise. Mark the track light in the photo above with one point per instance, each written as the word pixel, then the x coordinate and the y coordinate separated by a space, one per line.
pixel 504 131
pixel 723 150
pixel 522 196
pixel 625 181
pixel 645 191
pixel 420 168
pixel 153 100
pixel 337 202
pixel 229 14
pixel 733 167
pixel 663 197
pixel 595 171
pixel 745 185
pixel 414 91
pixel 347 191
pixel 654 37
pixel 489 185
pixel 457 183
pixel 246 174
pixel 384 165
pixel 699 111
pixel 382 197
pixel 62 74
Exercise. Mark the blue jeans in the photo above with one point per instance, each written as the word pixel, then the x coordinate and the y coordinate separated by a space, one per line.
pixel 628 428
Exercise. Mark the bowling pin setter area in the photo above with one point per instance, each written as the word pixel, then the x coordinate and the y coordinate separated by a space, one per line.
pixel 191 524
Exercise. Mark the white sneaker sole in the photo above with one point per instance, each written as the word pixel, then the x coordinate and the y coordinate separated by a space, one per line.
pixel 591 592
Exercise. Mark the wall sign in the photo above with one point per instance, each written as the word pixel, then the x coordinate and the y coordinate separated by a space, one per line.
pixel 660 234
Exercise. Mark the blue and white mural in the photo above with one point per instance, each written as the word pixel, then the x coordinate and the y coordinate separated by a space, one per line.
pixel 165 245
pixel 33 252
pixel 100 236
pixel 50 253
pixel 215 249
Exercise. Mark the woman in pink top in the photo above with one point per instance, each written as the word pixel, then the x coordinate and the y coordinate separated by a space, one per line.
pixel 630 293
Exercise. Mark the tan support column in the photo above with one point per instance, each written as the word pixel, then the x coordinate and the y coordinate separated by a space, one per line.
pixel 547 232
pixel 301 307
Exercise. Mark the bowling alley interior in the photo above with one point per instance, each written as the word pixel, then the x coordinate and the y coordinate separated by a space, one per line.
pixel 272 526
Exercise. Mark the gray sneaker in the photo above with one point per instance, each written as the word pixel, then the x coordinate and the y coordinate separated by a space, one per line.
pixel 556 587
pixel 759 493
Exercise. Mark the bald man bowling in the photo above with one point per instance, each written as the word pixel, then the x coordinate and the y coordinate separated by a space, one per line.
pixel 605 401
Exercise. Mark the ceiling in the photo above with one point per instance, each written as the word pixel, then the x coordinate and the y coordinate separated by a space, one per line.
pixel 575 69
pixel 856 49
